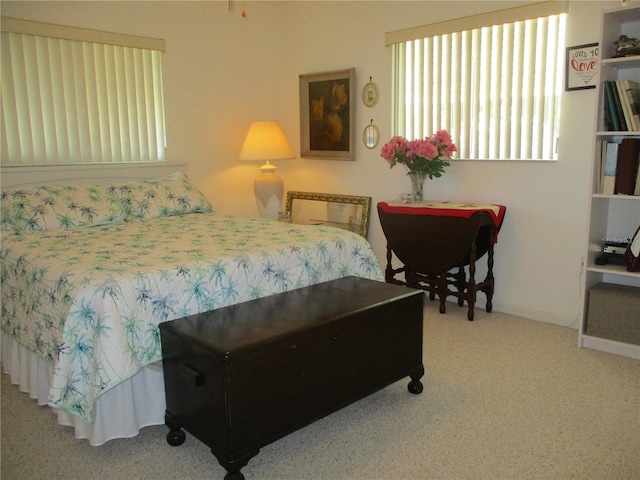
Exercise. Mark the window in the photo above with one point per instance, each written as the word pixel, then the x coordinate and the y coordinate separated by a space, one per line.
pixel 72 95
pixel 495 86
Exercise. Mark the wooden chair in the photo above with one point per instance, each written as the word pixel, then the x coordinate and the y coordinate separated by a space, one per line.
pixel 435 251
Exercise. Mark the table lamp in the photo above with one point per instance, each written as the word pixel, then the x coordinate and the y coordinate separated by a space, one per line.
pixel 266 141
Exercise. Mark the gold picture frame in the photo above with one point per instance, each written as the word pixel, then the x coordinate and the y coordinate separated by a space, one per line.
pixel 350 212
pixel 327 115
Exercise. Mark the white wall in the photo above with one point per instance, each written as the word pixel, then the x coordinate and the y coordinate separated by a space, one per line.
pixel 222 72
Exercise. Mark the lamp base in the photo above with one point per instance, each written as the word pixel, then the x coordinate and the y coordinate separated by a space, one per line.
pixel 268 188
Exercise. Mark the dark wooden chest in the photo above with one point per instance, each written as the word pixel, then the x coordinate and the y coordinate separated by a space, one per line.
pixel 242 376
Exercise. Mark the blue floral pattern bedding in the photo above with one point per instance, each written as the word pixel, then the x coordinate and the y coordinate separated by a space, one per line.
pixel 89 300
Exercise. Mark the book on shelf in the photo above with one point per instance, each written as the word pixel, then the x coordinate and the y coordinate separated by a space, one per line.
pixel 626 110
pixel 618 106
pixel 612 122
pixel 602 152
pixel 610 162
pixel 613 106
pixel 619 167
pixel 621 100
pixel 627 167
pixel 632 92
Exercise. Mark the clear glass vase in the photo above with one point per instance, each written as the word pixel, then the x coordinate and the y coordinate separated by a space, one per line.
pixel 417 185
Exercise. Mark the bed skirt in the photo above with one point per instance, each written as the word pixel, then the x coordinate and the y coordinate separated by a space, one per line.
pixel 121 412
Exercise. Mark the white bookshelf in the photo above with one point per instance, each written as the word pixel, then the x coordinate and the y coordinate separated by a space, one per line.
pixel 611 215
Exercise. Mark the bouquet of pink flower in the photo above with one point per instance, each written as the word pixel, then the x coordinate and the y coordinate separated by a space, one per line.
pixel 428 156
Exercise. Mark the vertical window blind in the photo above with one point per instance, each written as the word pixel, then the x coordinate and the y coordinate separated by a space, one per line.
pixel 496 88
pixel 73 95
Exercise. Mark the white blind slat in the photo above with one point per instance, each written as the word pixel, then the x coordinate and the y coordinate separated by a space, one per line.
pixel 57 109
pixel 76 102
pixel 464 131
pixel 93 147
pixel 495 98
pixel 9 108
pixel 527 92
pixel 540 88
pixel 128 89
pixel 445 84
pixel 120 100
pixel 517 65
pixel 424 91
pixel 112 127
pixel 456 80
pixel 158 86
pixel 506 93
pixel 399 65
pixel 149 110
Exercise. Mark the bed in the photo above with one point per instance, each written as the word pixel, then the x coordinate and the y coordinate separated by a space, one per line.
pixel 90 270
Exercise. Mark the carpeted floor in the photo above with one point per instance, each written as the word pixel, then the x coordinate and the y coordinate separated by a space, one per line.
pixel 504 398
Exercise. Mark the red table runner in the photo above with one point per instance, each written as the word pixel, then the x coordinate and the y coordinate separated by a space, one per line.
pixel 446 209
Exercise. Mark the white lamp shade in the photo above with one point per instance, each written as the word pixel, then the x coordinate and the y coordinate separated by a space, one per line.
pixel 265 140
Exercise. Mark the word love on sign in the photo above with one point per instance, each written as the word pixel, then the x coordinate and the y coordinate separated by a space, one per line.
pixel 583 63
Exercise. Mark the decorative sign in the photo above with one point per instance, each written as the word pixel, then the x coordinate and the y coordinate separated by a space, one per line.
pixel 582 65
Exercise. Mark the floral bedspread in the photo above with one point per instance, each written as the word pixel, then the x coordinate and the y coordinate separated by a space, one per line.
pixel 89 300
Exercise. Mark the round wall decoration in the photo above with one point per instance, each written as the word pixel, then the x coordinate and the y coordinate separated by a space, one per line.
pixel 370 94
pixel 371 135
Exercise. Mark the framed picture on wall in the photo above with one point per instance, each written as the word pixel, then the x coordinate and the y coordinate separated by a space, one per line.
pixel 370 94
pixel 327 110
pixel 582 65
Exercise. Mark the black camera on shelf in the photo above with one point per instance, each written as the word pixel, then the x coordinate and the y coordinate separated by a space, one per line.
pixel 613 251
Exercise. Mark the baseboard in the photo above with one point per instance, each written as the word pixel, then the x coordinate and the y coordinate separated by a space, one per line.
pixel 528 313
pixel 532 314
pixel 611 346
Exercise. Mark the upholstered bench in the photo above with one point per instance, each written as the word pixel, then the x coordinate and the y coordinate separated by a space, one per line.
pixel 240 377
